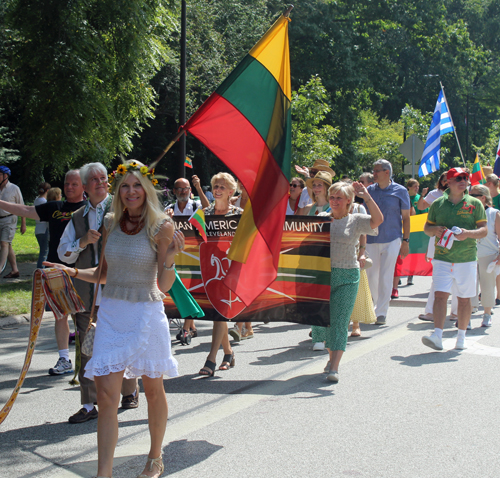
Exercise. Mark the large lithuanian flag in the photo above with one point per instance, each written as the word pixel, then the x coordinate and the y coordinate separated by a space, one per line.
pixel 246 123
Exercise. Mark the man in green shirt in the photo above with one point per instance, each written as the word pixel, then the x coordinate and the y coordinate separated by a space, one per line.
pixel 455 258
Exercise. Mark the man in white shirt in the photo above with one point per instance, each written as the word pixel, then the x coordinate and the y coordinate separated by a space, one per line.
pixel 81 244
pixel 184 205
pixel 9 193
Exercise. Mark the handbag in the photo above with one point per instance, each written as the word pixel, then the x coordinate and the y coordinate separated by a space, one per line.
pixel 87 347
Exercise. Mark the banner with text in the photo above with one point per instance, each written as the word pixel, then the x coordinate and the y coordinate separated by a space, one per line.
pixel 300 293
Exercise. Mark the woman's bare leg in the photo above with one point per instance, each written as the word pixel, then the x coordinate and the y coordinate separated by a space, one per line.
pixel 108 398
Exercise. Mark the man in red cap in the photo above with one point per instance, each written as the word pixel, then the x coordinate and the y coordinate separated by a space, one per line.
pixel 456 220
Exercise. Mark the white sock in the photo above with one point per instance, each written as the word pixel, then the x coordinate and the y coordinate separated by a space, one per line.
pixel 461 333
pixel 88 406
pixel 438 333
pixel 64 354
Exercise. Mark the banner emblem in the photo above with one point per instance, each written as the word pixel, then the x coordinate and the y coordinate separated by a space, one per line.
pixel 214 265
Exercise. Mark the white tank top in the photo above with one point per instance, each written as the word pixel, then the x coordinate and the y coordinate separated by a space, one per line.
pixel 489 245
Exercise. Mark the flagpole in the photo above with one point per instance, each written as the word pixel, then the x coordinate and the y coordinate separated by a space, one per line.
pixel 165 151
pixel 451 118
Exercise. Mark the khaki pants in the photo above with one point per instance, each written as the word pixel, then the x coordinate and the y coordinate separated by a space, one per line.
pixel 87 387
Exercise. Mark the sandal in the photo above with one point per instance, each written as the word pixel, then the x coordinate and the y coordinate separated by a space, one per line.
pixel 12 275
pixel 327 368
pixel 356 332
pixel 229 360
pixel 158 462
pixel 193 332
pixel 208 373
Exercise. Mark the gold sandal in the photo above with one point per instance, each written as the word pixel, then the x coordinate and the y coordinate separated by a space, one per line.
pixel 158 462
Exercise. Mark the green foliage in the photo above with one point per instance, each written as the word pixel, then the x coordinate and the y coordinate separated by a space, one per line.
pixel 311 138
pixel 82 69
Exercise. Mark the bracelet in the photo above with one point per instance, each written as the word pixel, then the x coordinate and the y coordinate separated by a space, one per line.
pixel 362 247
pixel 171 268
pixel 76 272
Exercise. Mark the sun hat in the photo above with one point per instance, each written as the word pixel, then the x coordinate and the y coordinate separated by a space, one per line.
pixel 322 165
pixel 322 176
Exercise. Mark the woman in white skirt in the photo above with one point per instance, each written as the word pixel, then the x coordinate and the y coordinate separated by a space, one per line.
pixel 132 336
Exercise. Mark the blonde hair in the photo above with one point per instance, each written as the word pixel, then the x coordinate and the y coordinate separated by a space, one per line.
pixel 53 194
pixel 152 212
pixel 227 178
pixel 484 191
pixel 345 189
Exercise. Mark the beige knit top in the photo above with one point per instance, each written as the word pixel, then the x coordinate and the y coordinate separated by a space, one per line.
pixel 132 268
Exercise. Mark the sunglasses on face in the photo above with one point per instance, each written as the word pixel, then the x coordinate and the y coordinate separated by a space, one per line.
pixel 292 185
pixel 477 195
pixel 182 189
pixel 461 178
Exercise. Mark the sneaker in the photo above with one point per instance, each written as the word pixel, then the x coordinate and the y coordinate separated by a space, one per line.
pixel 82 415
pixel 319 346
pixel 130 401
pixel 394 294
pixel 333 377
pixel 62 366
pixel 433 341
pixel 235 333
pixel 426 317
pixel 409 281
pixel 486 320
pixel 380 320
pixel 460 345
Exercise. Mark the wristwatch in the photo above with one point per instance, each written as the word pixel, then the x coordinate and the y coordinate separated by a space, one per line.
pixel 406 240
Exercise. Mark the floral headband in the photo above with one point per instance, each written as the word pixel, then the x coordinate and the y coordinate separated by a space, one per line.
pixel 123 169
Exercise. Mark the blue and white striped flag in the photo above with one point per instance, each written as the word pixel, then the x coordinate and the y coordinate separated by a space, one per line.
pixel 441 124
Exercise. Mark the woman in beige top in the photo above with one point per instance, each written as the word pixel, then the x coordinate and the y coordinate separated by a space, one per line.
pixel 132 336
pixel 345 229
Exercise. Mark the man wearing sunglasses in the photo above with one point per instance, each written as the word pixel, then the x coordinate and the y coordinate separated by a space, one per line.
pixel 184 205
pixel 455 258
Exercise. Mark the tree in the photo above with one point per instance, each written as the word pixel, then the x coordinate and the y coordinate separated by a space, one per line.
pixel 82 69
pixel 311 138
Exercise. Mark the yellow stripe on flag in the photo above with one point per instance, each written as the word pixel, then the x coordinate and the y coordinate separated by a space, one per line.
pixel 244 237
pixel 273 45
pixel 417 222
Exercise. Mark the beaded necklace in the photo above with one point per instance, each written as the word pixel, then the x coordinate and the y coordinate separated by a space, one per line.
pixel 138 225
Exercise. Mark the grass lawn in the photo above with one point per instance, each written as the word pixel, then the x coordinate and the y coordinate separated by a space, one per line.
pixel 16 296
pixel 26 246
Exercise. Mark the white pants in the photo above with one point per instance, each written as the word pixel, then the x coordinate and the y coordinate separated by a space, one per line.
pixel 381 274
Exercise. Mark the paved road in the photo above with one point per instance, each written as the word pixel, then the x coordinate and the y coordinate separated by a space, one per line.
pixel 400 409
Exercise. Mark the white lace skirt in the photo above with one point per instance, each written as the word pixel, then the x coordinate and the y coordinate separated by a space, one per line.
pixel 131 336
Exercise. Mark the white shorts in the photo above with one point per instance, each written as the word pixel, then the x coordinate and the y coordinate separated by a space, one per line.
pixel 464 275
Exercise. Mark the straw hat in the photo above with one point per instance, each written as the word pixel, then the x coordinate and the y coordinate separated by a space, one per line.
pixel 322 165
pixel 321 176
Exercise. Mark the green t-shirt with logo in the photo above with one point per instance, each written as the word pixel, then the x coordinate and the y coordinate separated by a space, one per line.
pixel 465 214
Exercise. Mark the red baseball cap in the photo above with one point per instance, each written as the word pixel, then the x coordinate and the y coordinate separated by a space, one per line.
pixel 454 172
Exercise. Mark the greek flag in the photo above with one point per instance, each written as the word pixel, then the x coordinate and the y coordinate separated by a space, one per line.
pixel 441 124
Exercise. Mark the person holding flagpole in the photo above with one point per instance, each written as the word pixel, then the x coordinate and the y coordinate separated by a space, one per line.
pixel 223 187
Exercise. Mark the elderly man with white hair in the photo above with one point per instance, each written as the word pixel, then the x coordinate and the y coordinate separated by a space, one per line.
pixel 393 236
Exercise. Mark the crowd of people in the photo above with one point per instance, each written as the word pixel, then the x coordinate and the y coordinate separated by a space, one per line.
pixel 369 237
